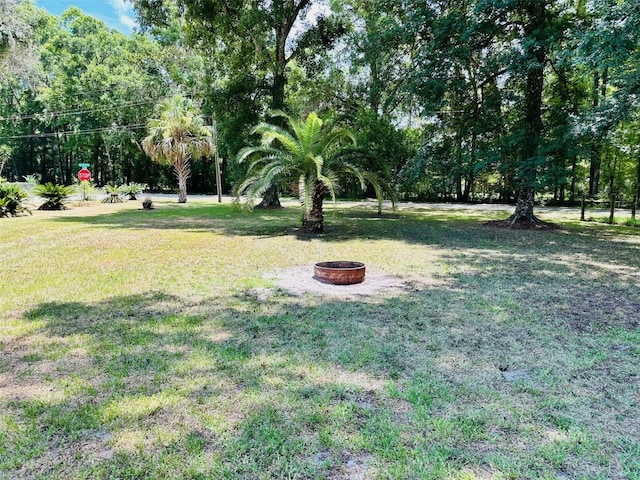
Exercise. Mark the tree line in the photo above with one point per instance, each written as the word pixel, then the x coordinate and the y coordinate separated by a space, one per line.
pixel 457 100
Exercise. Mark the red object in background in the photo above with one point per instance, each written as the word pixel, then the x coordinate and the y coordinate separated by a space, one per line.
pixel 84 175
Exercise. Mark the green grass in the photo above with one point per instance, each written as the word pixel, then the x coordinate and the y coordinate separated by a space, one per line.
pixel 132 346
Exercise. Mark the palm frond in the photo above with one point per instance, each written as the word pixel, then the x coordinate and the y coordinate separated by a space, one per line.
pixel 247 152
pixel 356 172
pixel 330 183
pixel 304 193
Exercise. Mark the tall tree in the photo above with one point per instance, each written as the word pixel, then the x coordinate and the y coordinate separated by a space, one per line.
pixel 610 49
pixel 458 64
pixel 535 38
pixel 177 137
pixel 258 36
pixel 308 154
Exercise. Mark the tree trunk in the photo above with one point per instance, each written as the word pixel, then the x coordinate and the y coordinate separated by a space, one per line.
pixel 218 177
pixel 466 192
pixel 534 31
pixel 182 189
pixel 612 193
pixel 636 194
pixel 594 171
pixel 459 189
pixel 600 86
pixel 183 170
pixel 523 216
pixel 67 173
pixel 612 208
pixel 572 188
pixel 60 161
pixel 313 221
pixel 270 198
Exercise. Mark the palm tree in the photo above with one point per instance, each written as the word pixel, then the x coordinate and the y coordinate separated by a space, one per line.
pixel 5 154
pixel 178 136
pixel 308 155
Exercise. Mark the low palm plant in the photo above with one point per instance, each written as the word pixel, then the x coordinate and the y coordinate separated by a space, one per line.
pixel 12 200
pixel 55 195
pixel 309 154
pixel 32 180
pixel 132 189
pixel 113 193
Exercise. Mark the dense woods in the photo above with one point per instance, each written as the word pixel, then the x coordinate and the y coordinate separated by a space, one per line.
pixel 457 100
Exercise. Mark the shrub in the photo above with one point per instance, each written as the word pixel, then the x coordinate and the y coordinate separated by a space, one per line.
pixel 11 200
pixel 113 194
pixel 33 179
pixel 54 195
pixel 632 222
pixel 86 190
pixel 133 189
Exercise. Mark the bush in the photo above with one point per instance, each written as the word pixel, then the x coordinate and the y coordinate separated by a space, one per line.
pixel 11 200
pixel 113 194
pixel 54 195
pixel 133 189
pixel 632 222
pixel 86 190
pixel 33 179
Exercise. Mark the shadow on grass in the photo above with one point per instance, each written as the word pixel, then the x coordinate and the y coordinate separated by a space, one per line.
pixel 520 363
pixel 482 374
pixel 451 229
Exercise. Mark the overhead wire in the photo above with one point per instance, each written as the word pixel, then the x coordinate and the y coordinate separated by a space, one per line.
pixel 133 126
pixel 63 113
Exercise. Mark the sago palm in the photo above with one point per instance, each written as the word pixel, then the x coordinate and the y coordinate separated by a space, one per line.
pixel 307 154
pixel 55 195
pixel 178 136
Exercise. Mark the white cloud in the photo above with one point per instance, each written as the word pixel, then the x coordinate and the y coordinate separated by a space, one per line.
pixel 124 10
pixel 128 21
pixel 120 5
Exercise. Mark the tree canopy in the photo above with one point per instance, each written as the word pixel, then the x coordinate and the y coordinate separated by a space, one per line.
pixel 467 100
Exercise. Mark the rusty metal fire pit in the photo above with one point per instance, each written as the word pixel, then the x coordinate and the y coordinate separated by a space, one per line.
pixel 339 272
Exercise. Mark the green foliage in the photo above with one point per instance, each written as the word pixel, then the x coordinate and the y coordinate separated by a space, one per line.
pixel 109 81
pixel 177 136
pixel 12 200
pixel 309 156
pixel 450 77
pixel 86 189
pixel 133 189
pixel 55 195
pixel 33 179
pixel 381 149
pixel 114 193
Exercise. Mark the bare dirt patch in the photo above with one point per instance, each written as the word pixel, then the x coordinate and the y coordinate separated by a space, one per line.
pixel 535 225
pixel 298 281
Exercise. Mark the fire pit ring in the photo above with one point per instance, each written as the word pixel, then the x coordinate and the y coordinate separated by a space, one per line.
pixel 340 272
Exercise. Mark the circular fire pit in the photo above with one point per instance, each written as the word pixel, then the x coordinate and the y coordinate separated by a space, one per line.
pixel 339 272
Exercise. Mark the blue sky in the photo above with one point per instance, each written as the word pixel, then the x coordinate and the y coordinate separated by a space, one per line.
pixel 115 13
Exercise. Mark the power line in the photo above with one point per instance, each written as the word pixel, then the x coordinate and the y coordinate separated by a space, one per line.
pixel 75 112
pixel 134 126
pixel 78 111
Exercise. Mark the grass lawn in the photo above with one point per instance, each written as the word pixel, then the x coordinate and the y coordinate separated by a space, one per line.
pixel 133 346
